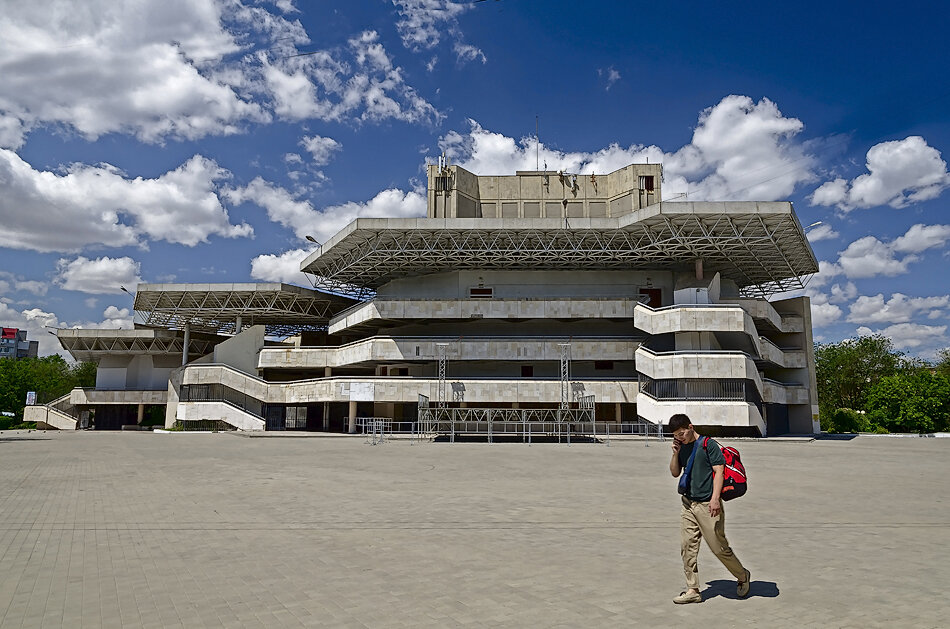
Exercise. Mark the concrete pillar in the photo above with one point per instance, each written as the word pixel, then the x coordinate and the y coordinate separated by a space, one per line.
pixel 463 404
pixel 326 416
pixel 184 345
pixel 619 412
pixel 514 405
pixel 141 414
pixel 327 372
pixel 351 427
pixel 237 325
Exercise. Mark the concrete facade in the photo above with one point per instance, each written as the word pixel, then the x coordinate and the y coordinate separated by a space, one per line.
pixel 454 192
pixel 635 308
pixel 14 344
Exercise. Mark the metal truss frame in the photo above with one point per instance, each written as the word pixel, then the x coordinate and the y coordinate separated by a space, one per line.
pixel 434 421
pixel 763 252
pixel 146 342
pixel 282 309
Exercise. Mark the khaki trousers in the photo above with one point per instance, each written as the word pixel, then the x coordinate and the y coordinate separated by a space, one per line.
pixel 696 523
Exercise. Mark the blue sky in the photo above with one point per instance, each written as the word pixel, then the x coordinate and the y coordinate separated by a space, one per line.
pixel 203 140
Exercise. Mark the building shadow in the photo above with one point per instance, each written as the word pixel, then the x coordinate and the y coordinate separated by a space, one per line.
pixel 727 589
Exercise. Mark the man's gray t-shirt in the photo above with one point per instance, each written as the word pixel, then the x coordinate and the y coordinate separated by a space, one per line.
pixel 701 477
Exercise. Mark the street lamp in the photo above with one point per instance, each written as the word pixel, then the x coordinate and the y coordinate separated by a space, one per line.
pixel 312 239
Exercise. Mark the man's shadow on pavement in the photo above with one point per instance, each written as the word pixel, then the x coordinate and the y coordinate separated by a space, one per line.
pixel 727 589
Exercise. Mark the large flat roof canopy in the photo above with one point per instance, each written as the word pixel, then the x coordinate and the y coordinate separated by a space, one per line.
pixel 760 246
pixel 93 344
pixel 283 309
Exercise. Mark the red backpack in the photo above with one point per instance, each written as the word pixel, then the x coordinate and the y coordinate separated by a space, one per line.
pixel 734 483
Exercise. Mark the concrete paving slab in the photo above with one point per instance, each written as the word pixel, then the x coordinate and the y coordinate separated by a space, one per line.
pixel 146 530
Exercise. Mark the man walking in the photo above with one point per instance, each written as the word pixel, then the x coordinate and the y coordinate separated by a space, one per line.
pixel 702 515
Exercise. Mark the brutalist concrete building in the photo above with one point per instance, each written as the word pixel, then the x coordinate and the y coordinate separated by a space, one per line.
pixel 541 302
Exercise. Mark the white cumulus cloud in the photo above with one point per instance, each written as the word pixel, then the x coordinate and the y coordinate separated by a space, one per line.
pixel 821 232
pixel 299 214
pixel 100 276
pixel 283 267
pixel 924 340
pixel 151 69
pixel 320 148
pixel 823 314
pixel 922 237
pixel 900 172
pixel 423 23
pixel 869 257
pixel 359 83
pixel 90 205
pixel 898 309
pixel 37 322
pixel 740 150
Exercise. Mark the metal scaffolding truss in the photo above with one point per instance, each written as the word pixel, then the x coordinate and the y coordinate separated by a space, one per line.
pixel 283 309
pixel 763 249
pixel 559 422
pixel 93 344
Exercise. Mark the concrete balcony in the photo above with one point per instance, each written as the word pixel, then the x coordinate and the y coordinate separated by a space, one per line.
pixel 784 392
pixel 388 349
pixel 694 318
pixel 693 364
pixel 736 414
pixel 465 309
pixel 405 389
pixel 787 358
pixel 764 311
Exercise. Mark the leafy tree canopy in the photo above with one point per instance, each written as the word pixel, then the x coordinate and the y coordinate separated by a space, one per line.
pixel 845 371
pixel 50 376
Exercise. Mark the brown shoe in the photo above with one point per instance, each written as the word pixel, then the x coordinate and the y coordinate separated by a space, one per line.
pixel 688 597
pixel 742 589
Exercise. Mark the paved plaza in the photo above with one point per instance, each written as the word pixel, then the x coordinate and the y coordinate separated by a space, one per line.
pixel 195 530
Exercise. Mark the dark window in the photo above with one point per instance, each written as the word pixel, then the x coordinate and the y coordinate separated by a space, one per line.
pixel 646 182
pixel 527 371
pixel 604 365
pixel 481 292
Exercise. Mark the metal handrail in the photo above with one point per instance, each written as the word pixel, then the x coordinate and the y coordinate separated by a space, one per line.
pixel 672 306
pixel 784 384
pixel 695 351
pixel 470 337
pixel 254 378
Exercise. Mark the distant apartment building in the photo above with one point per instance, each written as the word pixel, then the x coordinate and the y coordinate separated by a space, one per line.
pixel 14 344
pixel 538 301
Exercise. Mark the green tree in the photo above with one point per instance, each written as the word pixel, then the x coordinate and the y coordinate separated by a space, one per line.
pixel 911 401
pixel 50 376
pixel 846 371
pixel 943 361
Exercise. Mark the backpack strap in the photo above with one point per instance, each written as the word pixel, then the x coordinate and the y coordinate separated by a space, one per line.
pixel 687 473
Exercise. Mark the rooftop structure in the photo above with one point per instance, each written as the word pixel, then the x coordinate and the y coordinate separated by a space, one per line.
pixel 541 299
pixel 14 344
